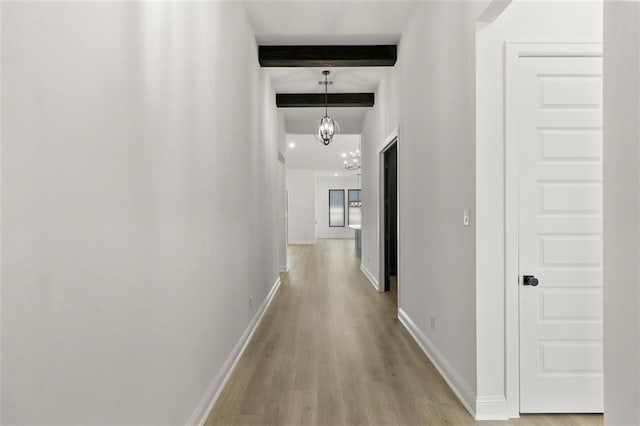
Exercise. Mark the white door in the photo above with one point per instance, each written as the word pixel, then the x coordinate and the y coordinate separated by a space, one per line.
pixel 560 234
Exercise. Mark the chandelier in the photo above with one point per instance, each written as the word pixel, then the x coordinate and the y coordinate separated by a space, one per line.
pixel 327 126
pixel 354 163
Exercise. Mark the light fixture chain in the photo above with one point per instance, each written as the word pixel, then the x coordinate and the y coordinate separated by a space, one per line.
pixel 326 96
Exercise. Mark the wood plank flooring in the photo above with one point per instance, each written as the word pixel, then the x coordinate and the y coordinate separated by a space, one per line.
pixel 331 351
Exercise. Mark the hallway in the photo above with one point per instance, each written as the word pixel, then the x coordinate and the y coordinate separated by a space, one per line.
pixel 330 350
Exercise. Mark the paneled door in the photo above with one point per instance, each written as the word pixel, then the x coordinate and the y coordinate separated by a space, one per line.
pixel 560 234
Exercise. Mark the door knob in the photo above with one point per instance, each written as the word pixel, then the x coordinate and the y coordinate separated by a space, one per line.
pixel 529 280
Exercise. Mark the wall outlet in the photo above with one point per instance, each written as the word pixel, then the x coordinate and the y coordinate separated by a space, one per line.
pixel 250 302
pixel 465 218
pixel 432 322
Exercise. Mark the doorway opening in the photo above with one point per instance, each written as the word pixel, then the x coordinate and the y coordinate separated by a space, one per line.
pixel 390 217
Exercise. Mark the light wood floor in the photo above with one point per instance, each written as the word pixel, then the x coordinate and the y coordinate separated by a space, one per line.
pixel 330 351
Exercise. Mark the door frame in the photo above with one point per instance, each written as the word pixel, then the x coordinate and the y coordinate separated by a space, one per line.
pixel 513 53
pixel 392 138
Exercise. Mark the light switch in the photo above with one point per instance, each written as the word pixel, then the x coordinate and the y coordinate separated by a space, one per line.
pixel 465 219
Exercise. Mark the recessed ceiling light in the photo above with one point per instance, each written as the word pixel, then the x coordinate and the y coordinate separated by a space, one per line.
pixel 335 174
pixel 292 145
pixel 344 154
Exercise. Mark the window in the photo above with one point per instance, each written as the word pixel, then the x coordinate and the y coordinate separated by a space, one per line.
pixel 336 207
pixel 355 207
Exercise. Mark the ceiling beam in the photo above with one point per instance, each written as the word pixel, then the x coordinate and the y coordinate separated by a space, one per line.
pixel 328 56
pixel 315 100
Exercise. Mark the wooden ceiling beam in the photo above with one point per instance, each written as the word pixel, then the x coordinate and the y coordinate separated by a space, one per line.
pixel 384 55
pixel 316 100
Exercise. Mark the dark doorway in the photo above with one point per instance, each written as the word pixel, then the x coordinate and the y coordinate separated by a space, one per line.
pixel 390 216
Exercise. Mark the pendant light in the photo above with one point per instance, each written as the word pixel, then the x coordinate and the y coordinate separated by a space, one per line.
pixel 327 126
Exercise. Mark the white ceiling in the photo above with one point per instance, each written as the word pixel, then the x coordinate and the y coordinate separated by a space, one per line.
pixel 309 154
pixel 305 80
pixel 313 22
pixel 329 22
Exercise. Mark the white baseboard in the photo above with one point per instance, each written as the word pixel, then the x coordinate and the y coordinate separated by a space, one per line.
pixel 284 268
pixel 337 237
pixel 301 243
pixel 493 407
pixel 464 393
pixel 369 276
pixel 212 394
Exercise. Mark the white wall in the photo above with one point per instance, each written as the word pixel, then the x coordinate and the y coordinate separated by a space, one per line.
pixel 437 179
pixel 125 283
pixel 323 184
pixel 522 21
pixel 621 213
pixel 435 85
pixel 282 194
pixel 302 208
pixel 378 124
pixel 282 216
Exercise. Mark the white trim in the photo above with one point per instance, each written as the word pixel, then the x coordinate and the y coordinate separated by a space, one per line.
pixel 284 268
pixel 491 408
pixel 301 243
pixel 367 273
pixel 515 51
pixel 493 10
pixel 212 394
pixel 393 137
pixel 564 49
pixel 457 384
pixel 389 139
